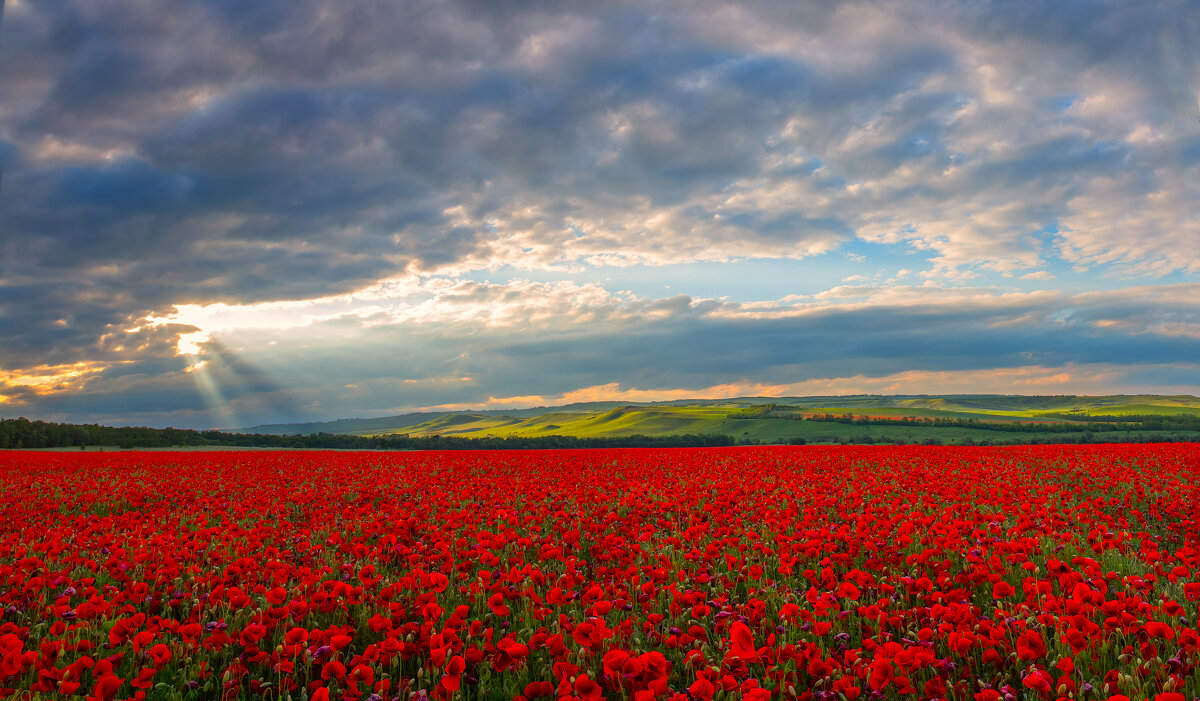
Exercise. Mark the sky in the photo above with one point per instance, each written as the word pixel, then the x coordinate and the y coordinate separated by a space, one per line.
pixel 220 213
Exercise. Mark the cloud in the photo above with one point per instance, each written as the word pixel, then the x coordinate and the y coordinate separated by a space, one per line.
pixel 197 159
pixel 445 342
pixel 1097 379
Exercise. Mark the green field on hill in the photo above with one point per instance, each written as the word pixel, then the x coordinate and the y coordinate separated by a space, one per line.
pixel 954 419
pixel 947 420
pixel 721 415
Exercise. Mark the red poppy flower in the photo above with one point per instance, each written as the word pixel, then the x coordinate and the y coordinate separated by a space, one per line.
pixel 1030 645
pixel 333 670
pixel 587 689
pixel 496 603
pixel 881 674
pixel 452 679
pixel 742 643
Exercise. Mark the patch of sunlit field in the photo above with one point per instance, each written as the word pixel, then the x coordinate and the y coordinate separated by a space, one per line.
pixel 809 573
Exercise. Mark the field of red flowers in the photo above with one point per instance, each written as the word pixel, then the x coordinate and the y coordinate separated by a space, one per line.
pixel 815 573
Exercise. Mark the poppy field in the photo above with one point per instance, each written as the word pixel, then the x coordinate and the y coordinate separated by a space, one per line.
pixel 812 573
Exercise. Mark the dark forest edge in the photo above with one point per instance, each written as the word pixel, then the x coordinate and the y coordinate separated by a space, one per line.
pixel 1094 423
pixel 21 433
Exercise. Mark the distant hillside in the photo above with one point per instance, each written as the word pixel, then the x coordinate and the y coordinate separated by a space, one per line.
pixel 947 420
pixel 772 419
pixel 386 424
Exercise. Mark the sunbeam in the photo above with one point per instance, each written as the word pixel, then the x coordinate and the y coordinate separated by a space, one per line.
pixel 199 368
pixel 255 389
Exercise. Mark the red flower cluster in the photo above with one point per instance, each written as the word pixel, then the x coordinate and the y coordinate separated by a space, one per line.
pixel 805 573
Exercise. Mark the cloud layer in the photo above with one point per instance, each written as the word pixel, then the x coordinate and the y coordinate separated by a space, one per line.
pixel 453 343
pixel 310 163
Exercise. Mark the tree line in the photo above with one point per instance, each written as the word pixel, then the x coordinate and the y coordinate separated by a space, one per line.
pixel 1145 422
pixel 23 433
pixel 1084 438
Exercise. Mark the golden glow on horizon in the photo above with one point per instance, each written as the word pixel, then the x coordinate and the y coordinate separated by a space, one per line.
pixel 1070 380
pixel 50 377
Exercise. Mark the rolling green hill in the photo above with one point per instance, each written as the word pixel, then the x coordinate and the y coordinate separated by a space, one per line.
pixel 909 418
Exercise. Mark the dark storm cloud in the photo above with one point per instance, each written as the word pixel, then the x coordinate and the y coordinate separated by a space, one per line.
pixel 9 153
pixel 280 150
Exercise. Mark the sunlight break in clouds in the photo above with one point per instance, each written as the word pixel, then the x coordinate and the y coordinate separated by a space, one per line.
pixel 47 378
